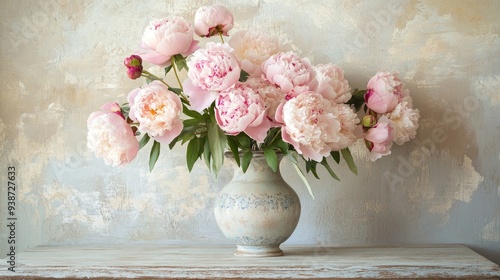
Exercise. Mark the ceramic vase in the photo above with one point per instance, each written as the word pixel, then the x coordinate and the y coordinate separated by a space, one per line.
pixel 258 210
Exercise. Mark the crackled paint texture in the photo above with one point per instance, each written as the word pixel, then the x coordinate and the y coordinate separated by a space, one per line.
pixel 61 60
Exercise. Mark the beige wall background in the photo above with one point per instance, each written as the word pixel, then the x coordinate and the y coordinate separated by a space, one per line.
pixel 62 59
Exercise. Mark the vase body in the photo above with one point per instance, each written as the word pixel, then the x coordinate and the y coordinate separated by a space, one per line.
pixel 258 210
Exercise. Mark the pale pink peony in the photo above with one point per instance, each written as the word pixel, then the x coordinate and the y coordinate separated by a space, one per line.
pixel 240 109
pixel 211 70
pixel 270 94
pixel 380 138
pixel 164 38
pixel 332 84
pixel 348 125
pixel 294 75
pixel 252 48
pixel 113 107
pixel 111 137
pixel 310 124
pixel 405 121
pixel 157 110
pixel 210 20
pixel 384 92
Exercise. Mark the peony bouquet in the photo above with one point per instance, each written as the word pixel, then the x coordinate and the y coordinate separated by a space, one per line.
pixel 245 95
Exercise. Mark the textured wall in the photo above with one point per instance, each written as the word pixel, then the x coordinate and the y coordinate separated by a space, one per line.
pixel 61 60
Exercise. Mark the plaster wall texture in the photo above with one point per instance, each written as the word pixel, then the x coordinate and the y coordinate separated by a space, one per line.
pixel 61 60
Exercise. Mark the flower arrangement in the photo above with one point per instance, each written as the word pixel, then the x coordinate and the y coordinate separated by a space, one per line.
pixel 249 94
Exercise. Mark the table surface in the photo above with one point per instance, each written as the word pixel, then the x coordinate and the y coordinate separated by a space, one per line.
pixel 211 261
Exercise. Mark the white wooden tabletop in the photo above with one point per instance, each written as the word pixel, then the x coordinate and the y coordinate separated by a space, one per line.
pixel 209 262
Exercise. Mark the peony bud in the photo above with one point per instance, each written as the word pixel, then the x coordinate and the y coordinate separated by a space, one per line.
pixel 369 121
pixel 134 72
pixel 134 66
pixel 133 61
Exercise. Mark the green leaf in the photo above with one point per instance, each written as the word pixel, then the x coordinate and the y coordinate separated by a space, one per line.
pixel 243 76
pixel 192 122
pixel 187 137
pixel 180 62
pixel 357 99
pixel 324 162
pixel 193 152
pixel 191 113
pixel 167 69
pixel 153 156
pixel 311 167
pixel 177 91
pixel 233 146
pixel 271 159
pixel 207 155
pixel 217 143
pixel 346 154
pixel 144 141
pixel 281 145
pixel 293 159
pixel 244 140
pixel 336 156
pixel 245 161
pixel 125 110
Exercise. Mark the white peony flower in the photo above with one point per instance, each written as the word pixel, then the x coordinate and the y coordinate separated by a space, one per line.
pixel 252 48
pixel 310 124
pixel 332 84
pixel 404 121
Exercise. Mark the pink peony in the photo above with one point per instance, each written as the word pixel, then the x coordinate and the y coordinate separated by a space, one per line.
pixel 310 124
pixel 157 110
pixel 294 75
pixel 164 38
pixel 348 125
pixel 384 92
pixel 210 20
pixel 404 120
pixel 111 137
pixel 332 84
pixel 252 48
pixel 211 70
pixel 240 109
pixel 380 138
pixel 271 95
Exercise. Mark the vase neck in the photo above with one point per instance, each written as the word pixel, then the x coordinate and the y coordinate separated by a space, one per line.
pixel 258 168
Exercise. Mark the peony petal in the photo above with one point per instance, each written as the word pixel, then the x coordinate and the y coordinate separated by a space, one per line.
pixel 155 58
pixel 194 47
pixel 173 44
pixel 170 135
pixel 199 99
pixel 309 153
pixel 258 133
pixel 111 107
pixel 131 101
pixel 278 117
pixel 94 115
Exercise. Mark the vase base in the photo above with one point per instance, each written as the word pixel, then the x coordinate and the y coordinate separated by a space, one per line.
pixel 258 251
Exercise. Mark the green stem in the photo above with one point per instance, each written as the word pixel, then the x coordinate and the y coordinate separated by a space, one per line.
pixel 153 77
pixel 174 65
pixel 220 35
pixel 176 74
pixel 276 135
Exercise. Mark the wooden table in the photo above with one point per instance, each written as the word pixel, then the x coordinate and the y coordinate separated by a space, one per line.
pixel 209 262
